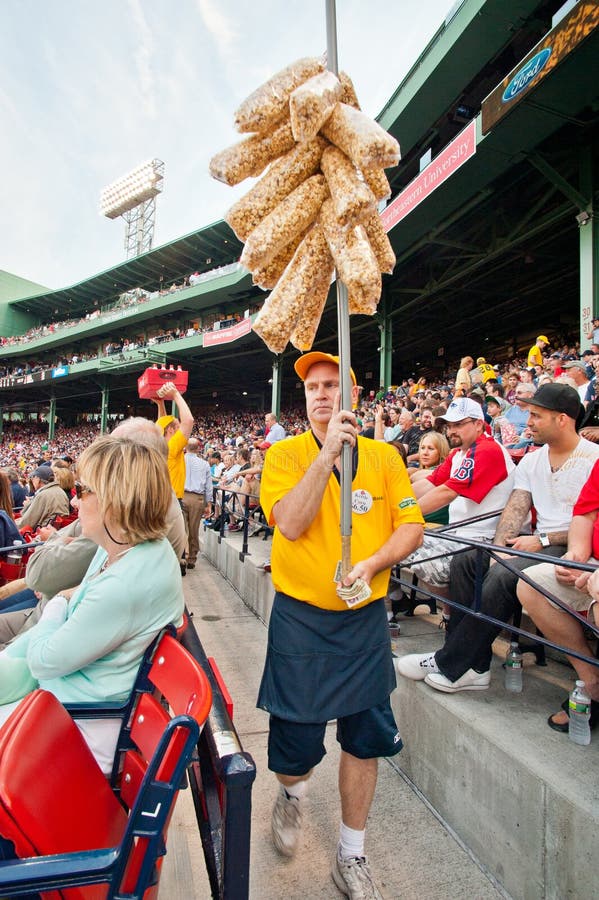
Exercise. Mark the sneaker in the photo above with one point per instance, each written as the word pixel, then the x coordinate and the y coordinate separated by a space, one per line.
pixel 354 878
pixel 416 666
pixel 286 823
pixel 470 681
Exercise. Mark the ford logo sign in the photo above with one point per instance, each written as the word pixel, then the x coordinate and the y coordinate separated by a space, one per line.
pixel 527 73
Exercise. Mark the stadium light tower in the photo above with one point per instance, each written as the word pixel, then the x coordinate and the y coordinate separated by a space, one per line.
pixel 133 197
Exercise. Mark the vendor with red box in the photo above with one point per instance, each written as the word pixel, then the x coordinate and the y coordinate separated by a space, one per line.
pixel 176 433
pixel 155 377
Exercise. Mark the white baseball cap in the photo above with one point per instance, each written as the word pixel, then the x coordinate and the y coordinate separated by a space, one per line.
pixel 463 408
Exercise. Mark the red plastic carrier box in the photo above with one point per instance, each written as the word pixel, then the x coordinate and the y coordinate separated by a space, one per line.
pixel 154 377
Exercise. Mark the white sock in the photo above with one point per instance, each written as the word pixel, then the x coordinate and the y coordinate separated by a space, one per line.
pixel 297 790
pixel 351 842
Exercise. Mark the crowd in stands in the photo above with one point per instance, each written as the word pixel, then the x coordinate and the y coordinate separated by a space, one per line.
pixel 492 438
pixel 122 344
pixel 500 390
pixel 132 298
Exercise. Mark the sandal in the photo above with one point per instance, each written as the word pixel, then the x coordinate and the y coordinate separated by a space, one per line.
pixel 563 727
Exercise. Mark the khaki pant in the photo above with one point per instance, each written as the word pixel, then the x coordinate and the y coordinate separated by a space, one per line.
pixel 193 509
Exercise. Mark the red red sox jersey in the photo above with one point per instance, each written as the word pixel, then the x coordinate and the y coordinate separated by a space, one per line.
pixel 482 477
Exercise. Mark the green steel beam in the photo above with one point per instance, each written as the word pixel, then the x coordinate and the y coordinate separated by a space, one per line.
pixel 553 176
pixel 104 410
pixel 52 419
pixel 589 249
pixel 275 405
pixel 386 342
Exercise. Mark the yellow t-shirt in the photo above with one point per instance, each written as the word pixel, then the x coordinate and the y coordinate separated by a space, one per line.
pixel 176 462
pixel 487 372
pixel 535 357
pixel 382 499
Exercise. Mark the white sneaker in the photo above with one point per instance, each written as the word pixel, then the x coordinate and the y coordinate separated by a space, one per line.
pixel 416 666
pixel 470 681
pixel 354 878
pixel 286 823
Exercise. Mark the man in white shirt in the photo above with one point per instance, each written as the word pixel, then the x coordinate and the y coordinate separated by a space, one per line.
pixel 576 369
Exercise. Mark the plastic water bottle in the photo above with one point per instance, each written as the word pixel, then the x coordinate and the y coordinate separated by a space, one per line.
pixel 16 554
pixel 579 707
pixel 513 669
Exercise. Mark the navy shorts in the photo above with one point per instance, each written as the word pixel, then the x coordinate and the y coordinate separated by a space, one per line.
pixel 296 747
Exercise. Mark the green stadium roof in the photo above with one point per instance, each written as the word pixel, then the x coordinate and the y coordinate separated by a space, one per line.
pixel 12 287
pixel 209 247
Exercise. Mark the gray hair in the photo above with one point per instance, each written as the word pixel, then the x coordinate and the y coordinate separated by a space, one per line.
pixel 142 431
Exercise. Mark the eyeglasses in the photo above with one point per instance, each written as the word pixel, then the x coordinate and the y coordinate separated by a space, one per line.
pixel 82 489
pixel 462 422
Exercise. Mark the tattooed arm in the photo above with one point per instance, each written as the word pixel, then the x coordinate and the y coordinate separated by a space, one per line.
pixel 513 517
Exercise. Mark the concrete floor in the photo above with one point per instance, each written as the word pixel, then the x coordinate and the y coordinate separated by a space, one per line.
pixel 411 853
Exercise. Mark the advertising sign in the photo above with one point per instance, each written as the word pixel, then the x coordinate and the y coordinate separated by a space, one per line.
pixel 542 59
pixel 442 167
pixel 226 335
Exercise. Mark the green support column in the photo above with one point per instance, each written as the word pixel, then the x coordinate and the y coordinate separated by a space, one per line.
pixel 275 404
pixel 588 229
pixel 386 344
pixel 52 419
pixel 104 410
pixel 1 421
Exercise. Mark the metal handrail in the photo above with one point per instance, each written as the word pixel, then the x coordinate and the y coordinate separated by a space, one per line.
pixel 244 515
pixel 497 553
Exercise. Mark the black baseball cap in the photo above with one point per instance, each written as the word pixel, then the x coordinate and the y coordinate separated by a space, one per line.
pixel 558 397
pixel 44 473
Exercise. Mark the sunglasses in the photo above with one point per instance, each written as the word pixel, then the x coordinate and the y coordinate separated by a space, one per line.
pixel 82 489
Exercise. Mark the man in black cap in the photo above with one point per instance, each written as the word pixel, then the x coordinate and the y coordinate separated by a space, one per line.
pixel 48 501
pixel 550 479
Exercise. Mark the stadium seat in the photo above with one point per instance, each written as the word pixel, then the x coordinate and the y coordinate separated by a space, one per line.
pixel 76 838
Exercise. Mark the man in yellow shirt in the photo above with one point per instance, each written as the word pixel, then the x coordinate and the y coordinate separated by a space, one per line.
pixel 535 354
pixel 324 660
pixel 176 434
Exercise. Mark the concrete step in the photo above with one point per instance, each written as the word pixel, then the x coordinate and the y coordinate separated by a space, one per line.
pixel 521 797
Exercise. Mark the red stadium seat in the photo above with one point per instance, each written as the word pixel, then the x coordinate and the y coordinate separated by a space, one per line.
pixel 74 837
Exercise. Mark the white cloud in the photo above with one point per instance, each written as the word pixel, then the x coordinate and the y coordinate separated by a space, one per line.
pixel 144 54
pixel 219 26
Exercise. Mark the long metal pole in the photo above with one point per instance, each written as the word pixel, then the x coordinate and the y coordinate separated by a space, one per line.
pixel 343 341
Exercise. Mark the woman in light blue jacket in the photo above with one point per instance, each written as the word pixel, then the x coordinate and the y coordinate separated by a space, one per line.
pixel 90 640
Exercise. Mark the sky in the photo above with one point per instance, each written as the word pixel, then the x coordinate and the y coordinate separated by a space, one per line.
pixel 89 89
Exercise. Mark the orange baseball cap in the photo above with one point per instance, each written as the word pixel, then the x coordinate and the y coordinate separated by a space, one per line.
pixel 304 363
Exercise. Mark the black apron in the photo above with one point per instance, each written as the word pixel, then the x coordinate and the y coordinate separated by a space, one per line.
pixel 322 664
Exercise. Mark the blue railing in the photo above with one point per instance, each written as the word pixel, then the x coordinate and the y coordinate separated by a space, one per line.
pixel 497 553
pixel 237 504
